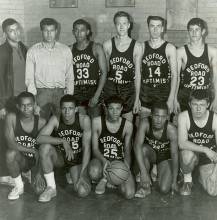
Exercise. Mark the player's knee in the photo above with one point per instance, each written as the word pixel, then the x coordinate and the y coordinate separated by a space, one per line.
pixel 129 194
pixel 45 151
pixel 188 157
pixel 83 191
pixel 95 170
pixel 11 156
pixel 164 188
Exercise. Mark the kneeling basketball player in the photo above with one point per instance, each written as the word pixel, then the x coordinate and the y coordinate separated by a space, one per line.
pixel 111 141
pixel 156 143
pixel 69 146
pixel 21 131
pixel 197 133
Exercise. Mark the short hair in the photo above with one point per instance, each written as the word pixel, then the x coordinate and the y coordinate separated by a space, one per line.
pixel 159 105
pixel 48 21
pixel 8 22
pixel 197 21
pixel 157 18
pixel 68 98
pixel 83 22
pixel 114 99
pixel 23 95
pixel 199 95
pixel 123 14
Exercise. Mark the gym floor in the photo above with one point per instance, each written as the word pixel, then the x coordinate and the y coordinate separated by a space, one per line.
pixel 110 206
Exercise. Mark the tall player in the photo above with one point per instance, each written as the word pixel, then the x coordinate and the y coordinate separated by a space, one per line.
pixel 197 65
pixel 111 140
pixel 21 131
pixel 90 68
pixel 197 135
pixel 159 74
pixel 156 143
pixel 69 146
pixel 124 59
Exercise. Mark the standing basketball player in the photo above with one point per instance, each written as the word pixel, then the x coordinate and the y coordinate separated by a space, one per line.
pixel 159 74
pixel 69 147
pixel 124 59
pixel 197 133
pixel 111 141
pixel 156 142
pixel 21 132
pixel 90 68
pixel 197 65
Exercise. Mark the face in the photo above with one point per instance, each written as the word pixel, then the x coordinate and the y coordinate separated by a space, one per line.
pixel 26 107
pixel 159 117
pixel 198 107
pixel 155 29
pixel 13 33
pixel 49 33
pixel 80 32
pixel 68 110
pixel 114 111
pixel 122 25
pixel 195 33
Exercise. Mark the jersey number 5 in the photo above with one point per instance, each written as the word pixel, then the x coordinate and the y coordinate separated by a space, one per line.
pixel 118 74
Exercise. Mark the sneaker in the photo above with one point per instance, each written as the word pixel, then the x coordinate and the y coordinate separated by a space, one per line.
pixel 142 192
pixel 15 193
pixel 7 180
pixel 100 187
pixel 186 189
pixel 47 195
pixel 69 178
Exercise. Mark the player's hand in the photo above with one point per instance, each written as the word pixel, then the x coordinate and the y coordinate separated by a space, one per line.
pixel 174 188
pixel 137 107
pixel 37 109
pixel 2 113
pixel 68 150
pixel 93 101
pixel 170 105
pixel 212 155
pixel 213 106
pixel 176 106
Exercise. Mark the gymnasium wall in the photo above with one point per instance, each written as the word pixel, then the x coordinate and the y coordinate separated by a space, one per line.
pixel 30 12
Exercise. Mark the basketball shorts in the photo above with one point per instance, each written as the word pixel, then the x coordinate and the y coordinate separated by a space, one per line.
pixel 162 156
pixel 29 162
pixel 148 96
pixel 126 92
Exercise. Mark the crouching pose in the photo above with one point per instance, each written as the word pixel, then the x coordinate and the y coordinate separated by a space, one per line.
pixel 156 143
pixel 197 132
pixel 69 146
pixel 21 131
pixel 111 141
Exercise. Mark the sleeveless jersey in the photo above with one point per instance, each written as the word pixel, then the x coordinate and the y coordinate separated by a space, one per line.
pixel 86 67
pixel 155 67
pixel 73 134
pixel 197 73
pixel 121 65
pixel 24 138
pixel 111 145
pixel 204 136
pixel 160 146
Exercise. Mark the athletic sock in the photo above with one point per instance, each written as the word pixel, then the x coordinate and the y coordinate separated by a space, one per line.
pixel 18 181
pixel 187 178
pixel 49 177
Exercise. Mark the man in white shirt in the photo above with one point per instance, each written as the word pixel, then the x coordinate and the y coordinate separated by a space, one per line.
pixel 49 69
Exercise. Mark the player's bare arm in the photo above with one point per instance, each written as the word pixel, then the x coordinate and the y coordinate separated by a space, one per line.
pixel 137 59
pixel 10 124
pixel 128 131
pixel 138 146
pixel 213 62
pixel 171 56
pixel 100 55
pixel 173 137
pixel 107 47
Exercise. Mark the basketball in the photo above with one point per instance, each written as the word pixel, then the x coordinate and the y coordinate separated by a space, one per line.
pixel 118 172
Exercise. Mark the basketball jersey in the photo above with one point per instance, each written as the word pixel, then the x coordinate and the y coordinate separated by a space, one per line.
pixel 160 146
pixel 73 135
pixel 24 138
pixel 204 136
pixel 86 67
pixel 111 145
pixel 155 67
pixel 121 65
pixel 197 73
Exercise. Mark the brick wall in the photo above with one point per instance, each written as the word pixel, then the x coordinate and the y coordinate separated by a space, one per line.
pixel 30 12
